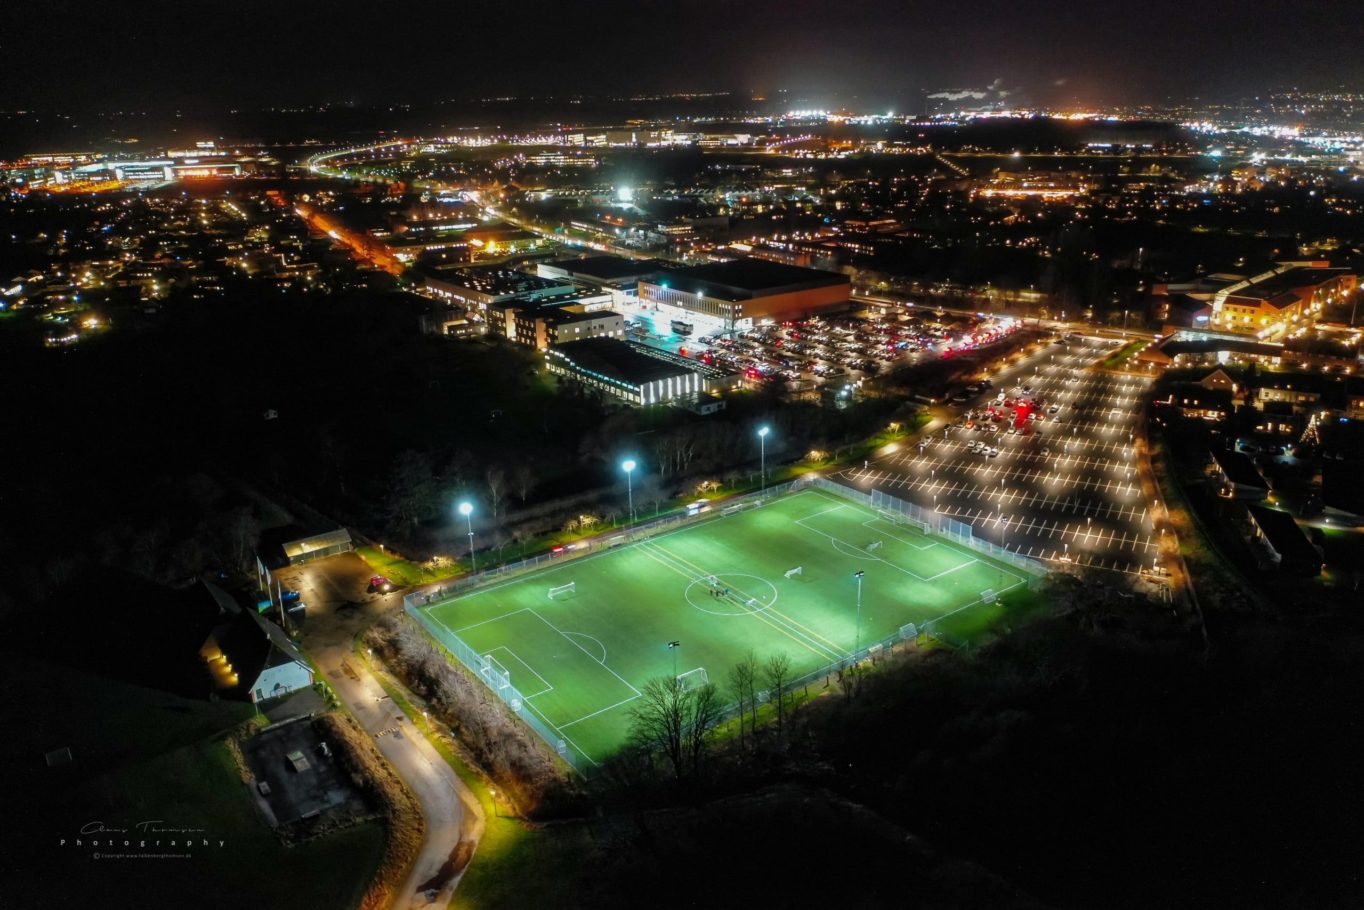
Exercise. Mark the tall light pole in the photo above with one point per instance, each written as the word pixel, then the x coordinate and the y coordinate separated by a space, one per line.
pixel 762 455
pixel 466 509
pixel 628 465
pixel 857 641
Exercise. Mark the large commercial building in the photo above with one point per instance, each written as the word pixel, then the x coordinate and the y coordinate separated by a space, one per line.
pixel 733 296
pixel 544 321
pixel 1268 305
pixel 475 287
pixel 618 276
pixel 636 374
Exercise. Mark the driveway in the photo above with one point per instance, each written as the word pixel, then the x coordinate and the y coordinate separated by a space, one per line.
pixel 339 608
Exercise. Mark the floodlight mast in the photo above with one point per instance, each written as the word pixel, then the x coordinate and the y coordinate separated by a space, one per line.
pixel 628 466
pixel 466 509
pixel 857 641
pixel 762 455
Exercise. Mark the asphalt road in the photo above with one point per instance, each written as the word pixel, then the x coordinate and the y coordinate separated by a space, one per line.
pixel 1069 491
pixel 338 609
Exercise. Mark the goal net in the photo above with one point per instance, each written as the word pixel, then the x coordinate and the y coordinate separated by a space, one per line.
pixel 570 588
pixel 798 570
pixel 875 545
pixel 892 517
pixel 988 596
pixel 497 676
pixel 693 679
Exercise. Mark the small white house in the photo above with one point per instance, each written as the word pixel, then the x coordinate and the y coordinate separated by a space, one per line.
pixel 247 655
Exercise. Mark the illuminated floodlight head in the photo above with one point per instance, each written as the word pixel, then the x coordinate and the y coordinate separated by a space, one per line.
pixel 625 194
pixel 466 508
pixel 763 431
pixel 628 465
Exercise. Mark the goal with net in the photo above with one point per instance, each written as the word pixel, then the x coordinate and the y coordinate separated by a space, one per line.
pixel 892 517
pixel 988 596
pixel 693 679
pixel 798 570
pixel 570 588
pixel 875 545
pixel 497 676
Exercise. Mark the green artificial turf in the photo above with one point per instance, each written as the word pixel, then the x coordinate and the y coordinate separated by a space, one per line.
pixel 580 659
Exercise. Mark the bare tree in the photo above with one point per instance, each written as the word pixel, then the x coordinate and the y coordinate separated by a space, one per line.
pixel 411 490
pixel 850 680
pixel 525 482
pixel 777 673
pixel 497 489
pixel 743 679
pixel 703 713
pixel 657 721
pixel 458 469
pixel 676 722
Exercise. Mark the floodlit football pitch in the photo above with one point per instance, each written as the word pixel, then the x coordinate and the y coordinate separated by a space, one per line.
pixel 720 588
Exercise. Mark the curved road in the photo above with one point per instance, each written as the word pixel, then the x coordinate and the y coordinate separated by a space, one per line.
pixel 338 610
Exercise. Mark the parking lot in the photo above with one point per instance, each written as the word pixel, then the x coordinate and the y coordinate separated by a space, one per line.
pixel 823 349
pixel 1063 485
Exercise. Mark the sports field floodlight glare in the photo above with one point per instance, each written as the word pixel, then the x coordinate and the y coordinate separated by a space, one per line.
pixel 628 465
pixel 466 509
pixel 762 454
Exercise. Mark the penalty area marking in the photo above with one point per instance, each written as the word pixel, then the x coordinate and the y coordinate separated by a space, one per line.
pixel 517 657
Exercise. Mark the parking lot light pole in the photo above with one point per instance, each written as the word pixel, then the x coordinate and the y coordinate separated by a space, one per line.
pixel 467 509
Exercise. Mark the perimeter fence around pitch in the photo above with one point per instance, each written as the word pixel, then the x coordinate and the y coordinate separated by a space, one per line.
pixel 604 541
pixel 418 604
pixel 486 672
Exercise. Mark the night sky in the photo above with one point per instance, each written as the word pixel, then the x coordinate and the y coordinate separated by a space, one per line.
pixel 102 55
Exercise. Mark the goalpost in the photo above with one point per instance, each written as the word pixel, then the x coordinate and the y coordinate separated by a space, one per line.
pixel 570 588
pixel 875 545
pixel 693 679
pixel 798 570
pixel 498 676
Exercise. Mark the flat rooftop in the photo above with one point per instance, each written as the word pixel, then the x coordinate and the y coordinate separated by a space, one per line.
pixel 617 360
pixel 496 281
pixel 742 279
pixel 608 268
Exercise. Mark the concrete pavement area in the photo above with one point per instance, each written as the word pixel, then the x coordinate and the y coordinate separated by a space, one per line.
pixel 1065 489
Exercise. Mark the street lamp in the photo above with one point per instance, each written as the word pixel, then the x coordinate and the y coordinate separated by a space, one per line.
pixel 762 454
pixel 628 465
pixel 466 509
